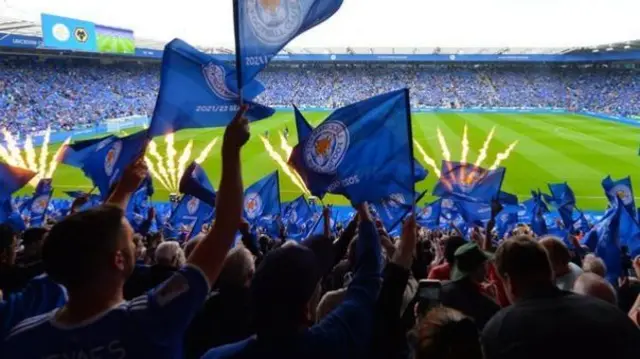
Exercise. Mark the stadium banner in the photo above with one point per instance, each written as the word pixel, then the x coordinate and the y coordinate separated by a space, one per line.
pixel 20 41
pixel 114 40
pixel 68 34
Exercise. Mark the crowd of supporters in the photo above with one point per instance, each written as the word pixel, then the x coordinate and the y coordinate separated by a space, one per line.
pixel 90 287
pixel 64 94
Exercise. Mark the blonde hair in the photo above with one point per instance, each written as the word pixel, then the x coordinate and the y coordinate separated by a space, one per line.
pixel 170 253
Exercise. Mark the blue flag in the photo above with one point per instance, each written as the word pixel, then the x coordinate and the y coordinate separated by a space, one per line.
pixel 622 189
pixel 429 216
pixel 76 154
pixel 262 198
pixel 263 28
pixel 538 222
pixel 474 213
pixel 197 91
pixel 195 182
pixel 393 209
pixel 302 125
pixel 466 182
pixel 186 216
pixel 615 229
pixel 139 204
pixel 581 223
pixel 419 172
pixel 39 203
pixel 106 164
pixel 359 149
pixel 508 198
pixel 506 220
pixel 12 179
pixel 295 216
pixel 564 200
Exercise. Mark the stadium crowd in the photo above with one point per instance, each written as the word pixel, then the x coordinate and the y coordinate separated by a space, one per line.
pixel 65 94
pixel 90 287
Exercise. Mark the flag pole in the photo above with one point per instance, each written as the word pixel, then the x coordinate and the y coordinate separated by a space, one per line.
pixel 410 141
pixel 236 30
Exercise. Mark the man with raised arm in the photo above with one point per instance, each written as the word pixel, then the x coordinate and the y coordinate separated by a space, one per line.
pixel 92 253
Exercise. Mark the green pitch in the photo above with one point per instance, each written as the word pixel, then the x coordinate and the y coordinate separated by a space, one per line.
pixel 117 45
pixel 552 148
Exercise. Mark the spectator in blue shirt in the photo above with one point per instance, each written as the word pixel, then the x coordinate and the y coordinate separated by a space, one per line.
pixel 92 253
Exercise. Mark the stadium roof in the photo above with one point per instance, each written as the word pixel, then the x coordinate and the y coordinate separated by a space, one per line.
pixel 31 28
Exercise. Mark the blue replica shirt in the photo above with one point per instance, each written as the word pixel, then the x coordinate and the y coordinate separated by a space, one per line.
pixel 41 295
pixel 149 326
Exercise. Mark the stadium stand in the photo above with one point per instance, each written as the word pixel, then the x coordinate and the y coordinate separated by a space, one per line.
pixel 84 283
pixel 69 94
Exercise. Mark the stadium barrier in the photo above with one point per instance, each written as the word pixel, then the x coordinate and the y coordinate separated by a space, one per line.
pixel 634 120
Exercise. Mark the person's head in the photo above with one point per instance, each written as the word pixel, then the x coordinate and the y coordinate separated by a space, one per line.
pixel 451 245
pixel 170 254
pixel 559 255
pixel 8 243
pixel 283 290
pixel 138 241
pixel 445 333
pixel 32 240
pixel 238 269
pixel 90 250
pixel 524 267
pixel 595 286
pixel 469 263
pixel 594 264
pixel 192 244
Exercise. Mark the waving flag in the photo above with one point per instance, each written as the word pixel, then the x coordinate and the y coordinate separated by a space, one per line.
pixel 392 210
pixel 196 91
pixel 622 189
pixel 581 223
pixel 419 172
pixel 295 216
pixel 538 223
pixel 139 204
pixel 264 27
pixel 105 165
pixel 39 203
pixel 474 213
pixel 76 154
pixel 506 220
pixel 195 182
pixel 429 216
pixel 186 216
pixel 564 200
pixel 508 198
pixel 359 149
pixel 617 228
pixel 262 198
pixel 302 125
pixel 12 179
pixel 467 182
pixel 297 211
